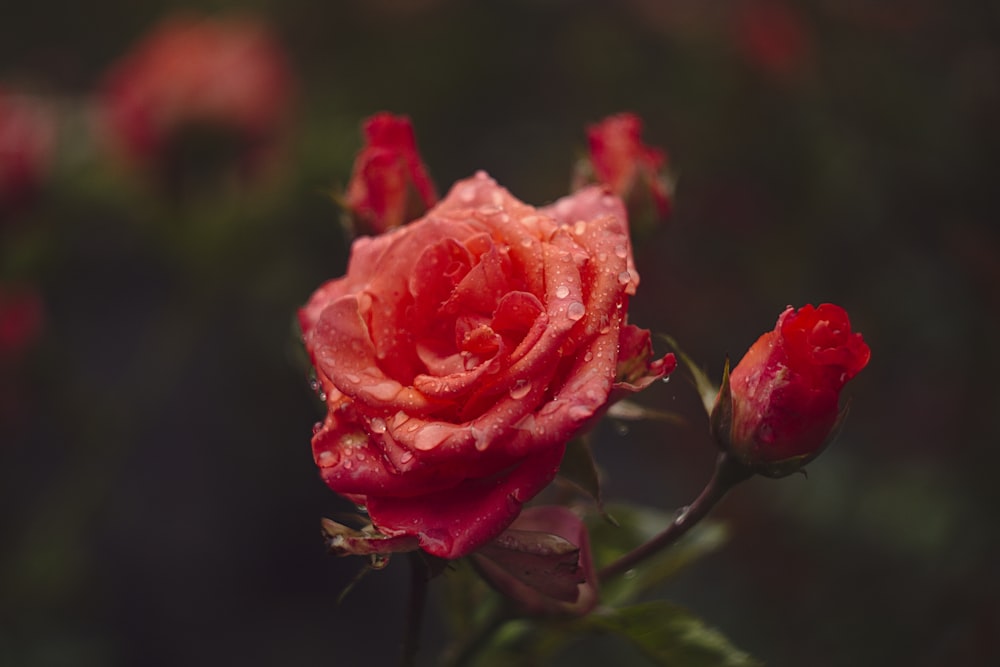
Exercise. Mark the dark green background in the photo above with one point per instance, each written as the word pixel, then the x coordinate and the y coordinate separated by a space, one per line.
pixel 158 500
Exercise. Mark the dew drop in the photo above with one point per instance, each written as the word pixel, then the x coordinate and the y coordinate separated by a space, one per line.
pixel 406 457
pixel 562 292
pixel 317 427
pixel 520 389
pixel 351 377
pixel 621 251
pixel 602 257
pixel 589 356
pixel 526 241
pixel 624 277
pixel 324 459
pixel 579 412
pixel 348 464
pixel 377 425
pixel 605 323
pixel 322 396
pixel 314 385
pixel 579 227
pixel 576 311
pixel 467 194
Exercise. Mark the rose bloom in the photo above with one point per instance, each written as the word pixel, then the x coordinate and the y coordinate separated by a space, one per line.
pixel 786 389
pixel 461 352
pixel 226 76
pixel 389 184
pixel 621 160
pixel 27 142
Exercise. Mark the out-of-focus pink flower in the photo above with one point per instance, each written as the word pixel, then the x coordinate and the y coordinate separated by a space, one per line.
pixel 543 562
pixel 462 351
pixel 224 76
pixel 27 141
pixel 390 185
pixel 781 403
pixel 632 170
pixel 773 37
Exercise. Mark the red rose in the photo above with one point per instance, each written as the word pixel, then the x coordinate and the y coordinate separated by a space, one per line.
pixel 621 161
pixel 785 391
pixel 389 184
pixel 27 141
pixel 462 351
pixel 226 76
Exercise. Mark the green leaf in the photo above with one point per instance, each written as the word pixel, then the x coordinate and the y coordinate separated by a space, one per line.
pixel 638 525
pixel 671 636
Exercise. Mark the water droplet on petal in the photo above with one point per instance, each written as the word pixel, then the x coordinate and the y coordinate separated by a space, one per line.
pixel 348 464
pixel 562 292
pixel 520 389
pixel 317 427
pixel 325 459
pixel 621 251
pixel 624 277
pixel 579 412
pixel 322 396
pixel 314 385
pixel 351 377
pixel 406 457
pixel 576 311
pixel 377 425
pixel 589 356
pixel 579 227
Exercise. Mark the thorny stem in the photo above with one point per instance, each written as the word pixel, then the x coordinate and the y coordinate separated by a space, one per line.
pixel 728 473
pixel 419 577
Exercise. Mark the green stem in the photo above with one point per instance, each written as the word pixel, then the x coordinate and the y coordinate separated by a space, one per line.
pixel 728 473
pixel 419 577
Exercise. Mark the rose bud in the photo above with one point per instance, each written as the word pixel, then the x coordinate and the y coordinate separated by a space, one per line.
pixel 462 351
pixel 778 408
pixel 197 91
pixel 543 562
pixel 635 172
pixel 27 141
pixel 389 185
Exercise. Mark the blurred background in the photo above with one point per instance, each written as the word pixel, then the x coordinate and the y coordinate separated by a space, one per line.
pixel 158 500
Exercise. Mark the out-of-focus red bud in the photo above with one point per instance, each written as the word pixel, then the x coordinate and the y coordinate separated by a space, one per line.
pixel 619 159
pixel 389 184
pixel 779 407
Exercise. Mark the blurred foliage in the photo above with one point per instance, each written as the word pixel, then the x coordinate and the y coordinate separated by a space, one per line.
pixel 158 500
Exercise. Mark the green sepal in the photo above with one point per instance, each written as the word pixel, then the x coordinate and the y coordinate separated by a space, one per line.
pixel 720 416
pixel 579 468
pixel 707 390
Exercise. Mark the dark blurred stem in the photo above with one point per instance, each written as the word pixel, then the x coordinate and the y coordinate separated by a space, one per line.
pixel 728 473
pixel 465 653
pixel 419 576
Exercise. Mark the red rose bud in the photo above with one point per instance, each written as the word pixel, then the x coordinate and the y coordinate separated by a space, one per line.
pixel 27 141
pixel 543 562
pixel 389 184
pixel 778 408
pixel 461 352
pixel 620 160
pixel 198 85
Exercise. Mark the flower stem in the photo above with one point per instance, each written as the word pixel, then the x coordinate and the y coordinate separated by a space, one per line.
pixel 728 473
pixel 419 577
